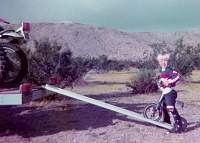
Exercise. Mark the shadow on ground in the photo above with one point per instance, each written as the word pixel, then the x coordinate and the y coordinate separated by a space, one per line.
pixel 193 126
pixel 33 121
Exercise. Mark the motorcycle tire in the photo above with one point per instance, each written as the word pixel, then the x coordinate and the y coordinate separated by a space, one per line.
pixel 2 64
pixel 16 65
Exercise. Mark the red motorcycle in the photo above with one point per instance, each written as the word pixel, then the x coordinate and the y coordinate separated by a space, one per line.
pixel 13 61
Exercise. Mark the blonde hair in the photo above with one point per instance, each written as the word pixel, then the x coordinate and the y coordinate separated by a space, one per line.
pixel 163 57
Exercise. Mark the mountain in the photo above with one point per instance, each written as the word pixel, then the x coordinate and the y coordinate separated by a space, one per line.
pixel 89 40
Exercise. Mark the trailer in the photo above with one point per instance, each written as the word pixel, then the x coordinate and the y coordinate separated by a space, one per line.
pixel 26 93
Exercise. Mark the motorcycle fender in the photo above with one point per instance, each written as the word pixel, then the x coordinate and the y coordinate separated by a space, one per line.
pixel 12 34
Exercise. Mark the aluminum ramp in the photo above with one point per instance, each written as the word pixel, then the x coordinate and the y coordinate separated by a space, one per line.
pixel 130 114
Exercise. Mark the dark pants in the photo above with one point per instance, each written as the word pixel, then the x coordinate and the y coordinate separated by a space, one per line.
pixel 170 100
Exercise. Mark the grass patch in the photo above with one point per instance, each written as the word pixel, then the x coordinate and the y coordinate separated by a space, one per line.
pixel 188 92
pixel 112 77
pixel 195 75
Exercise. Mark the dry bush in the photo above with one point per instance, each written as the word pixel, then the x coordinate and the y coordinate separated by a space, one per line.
pixel 144 82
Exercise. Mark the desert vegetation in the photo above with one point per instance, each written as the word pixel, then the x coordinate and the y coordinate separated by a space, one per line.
pixel 49 60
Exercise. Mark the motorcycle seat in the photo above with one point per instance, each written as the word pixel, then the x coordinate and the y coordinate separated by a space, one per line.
pixel 1 28
pixel 4 31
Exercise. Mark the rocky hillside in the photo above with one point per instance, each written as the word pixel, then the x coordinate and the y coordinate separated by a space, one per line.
pixel 88 40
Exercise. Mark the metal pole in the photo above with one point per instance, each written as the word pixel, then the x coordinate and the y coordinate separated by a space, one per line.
pixel 131 114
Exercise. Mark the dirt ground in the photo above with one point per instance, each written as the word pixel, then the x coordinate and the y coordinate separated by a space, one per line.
pixel 70 121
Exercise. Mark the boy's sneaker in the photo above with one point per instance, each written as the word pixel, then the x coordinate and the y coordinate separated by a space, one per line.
pixel 176 129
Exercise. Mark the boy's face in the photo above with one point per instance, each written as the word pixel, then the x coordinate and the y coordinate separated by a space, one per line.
pixel 163 63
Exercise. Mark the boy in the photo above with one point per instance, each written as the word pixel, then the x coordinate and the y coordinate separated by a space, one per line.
pixel 168 78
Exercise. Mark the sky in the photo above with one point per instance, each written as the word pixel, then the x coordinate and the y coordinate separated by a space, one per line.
pixel 125 15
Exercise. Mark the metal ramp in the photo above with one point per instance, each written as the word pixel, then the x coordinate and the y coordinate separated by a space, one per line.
pixel 128 113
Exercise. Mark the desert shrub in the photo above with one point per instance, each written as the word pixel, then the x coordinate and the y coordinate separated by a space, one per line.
pixel 196 57
pixel 101 62
pixel 105 64
pixel 159 48
pixel 144 82
pixel 151 63
pixel 182 58
pixel 47 61
pixel 70 68
pixel 42 63
pixel 74 68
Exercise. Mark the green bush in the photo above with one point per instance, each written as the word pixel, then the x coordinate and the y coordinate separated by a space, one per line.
pixel 48 60
pixel 73 68
pixel 148 64
pixel 144 82
pixel 42 63
pixel 196 57
pixel 102 63
pixel 182 58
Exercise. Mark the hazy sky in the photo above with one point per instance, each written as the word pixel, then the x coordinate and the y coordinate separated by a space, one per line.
pixel 127 15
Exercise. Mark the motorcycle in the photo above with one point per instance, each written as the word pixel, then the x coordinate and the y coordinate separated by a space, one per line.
pixel 13 61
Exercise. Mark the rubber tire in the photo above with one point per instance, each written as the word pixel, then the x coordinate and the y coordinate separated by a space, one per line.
pixel 23 65
pixel 2 64
pixel 184 124
pixel 154 106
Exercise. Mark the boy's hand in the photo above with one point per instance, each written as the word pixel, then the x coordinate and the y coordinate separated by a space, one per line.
pixel 165 82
